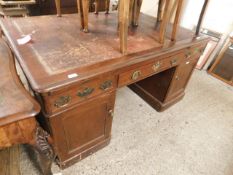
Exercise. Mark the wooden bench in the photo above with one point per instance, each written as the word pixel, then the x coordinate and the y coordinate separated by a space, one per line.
pixel 17 113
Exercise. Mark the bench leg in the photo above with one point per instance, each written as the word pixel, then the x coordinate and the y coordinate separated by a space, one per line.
pixel 44 151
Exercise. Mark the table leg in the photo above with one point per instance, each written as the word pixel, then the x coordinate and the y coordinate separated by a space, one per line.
pixel 83 7
pixel 177 19
pixel 58 7
pixel 107 4
pixel 123 24
pixel 166 17
pixel 137 9
pixel 131 11
pixel 96 6
pixel 159 13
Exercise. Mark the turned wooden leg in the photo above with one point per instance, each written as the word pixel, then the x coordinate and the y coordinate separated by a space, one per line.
pixel 85 11
pixel 123 24
pixel 107 4
pixel 137 9
pixel 177 19
pixel 58 7
pixel 166 17
pixel 44 151
pixel 131 11
pixel 159 13
pixel 96 6
pixel 80 11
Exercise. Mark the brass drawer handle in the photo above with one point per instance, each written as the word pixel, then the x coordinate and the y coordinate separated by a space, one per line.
pixel 173 62
pixel 157 66
pixel 86 92
pixel 136 75
pixel 62 101
pixel 106 85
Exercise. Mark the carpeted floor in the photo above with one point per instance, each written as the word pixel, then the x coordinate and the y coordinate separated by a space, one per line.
pixel 194 137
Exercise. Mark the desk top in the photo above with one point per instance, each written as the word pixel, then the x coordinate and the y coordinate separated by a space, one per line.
pixel 58 47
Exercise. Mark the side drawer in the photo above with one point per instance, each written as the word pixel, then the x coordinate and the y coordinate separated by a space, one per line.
pixel 60 100
pixel 147 70
pixel 194 52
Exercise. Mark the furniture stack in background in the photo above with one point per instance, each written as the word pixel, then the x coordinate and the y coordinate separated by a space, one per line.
pixel 15 7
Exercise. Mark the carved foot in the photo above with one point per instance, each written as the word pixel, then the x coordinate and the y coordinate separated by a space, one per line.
pixel 45 154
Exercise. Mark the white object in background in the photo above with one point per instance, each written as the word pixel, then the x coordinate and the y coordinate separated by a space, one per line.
pixel 24 40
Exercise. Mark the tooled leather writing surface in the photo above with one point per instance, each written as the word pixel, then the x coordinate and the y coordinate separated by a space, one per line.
pixel 59 48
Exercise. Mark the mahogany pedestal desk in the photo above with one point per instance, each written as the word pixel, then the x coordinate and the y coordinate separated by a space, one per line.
pixel 75 75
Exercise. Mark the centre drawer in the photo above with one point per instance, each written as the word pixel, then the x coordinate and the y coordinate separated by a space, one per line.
pixel 149 69
pixel 60 100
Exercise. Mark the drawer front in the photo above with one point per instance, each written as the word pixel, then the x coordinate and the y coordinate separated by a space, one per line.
pixel 60 100
pixel 147 70
pixel 194 52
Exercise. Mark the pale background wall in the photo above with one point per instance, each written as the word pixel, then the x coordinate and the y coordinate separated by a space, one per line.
pixel 219 15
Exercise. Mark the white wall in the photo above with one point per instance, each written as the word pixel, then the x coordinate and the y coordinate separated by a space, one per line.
pixel 219 15
pixel 150 7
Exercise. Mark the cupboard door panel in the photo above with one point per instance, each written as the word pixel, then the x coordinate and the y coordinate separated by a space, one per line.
pixel 181 78
pixel 84 126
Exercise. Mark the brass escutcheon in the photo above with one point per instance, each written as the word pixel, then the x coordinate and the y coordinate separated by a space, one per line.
pixel 62 101
pixel 136 75
pixel 106 85
pixel 85 92
pixel 173 62
pixel 156 66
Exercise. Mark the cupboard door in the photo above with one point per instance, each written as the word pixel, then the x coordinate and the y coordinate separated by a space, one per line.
pixel 181 78
pixel 83 127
